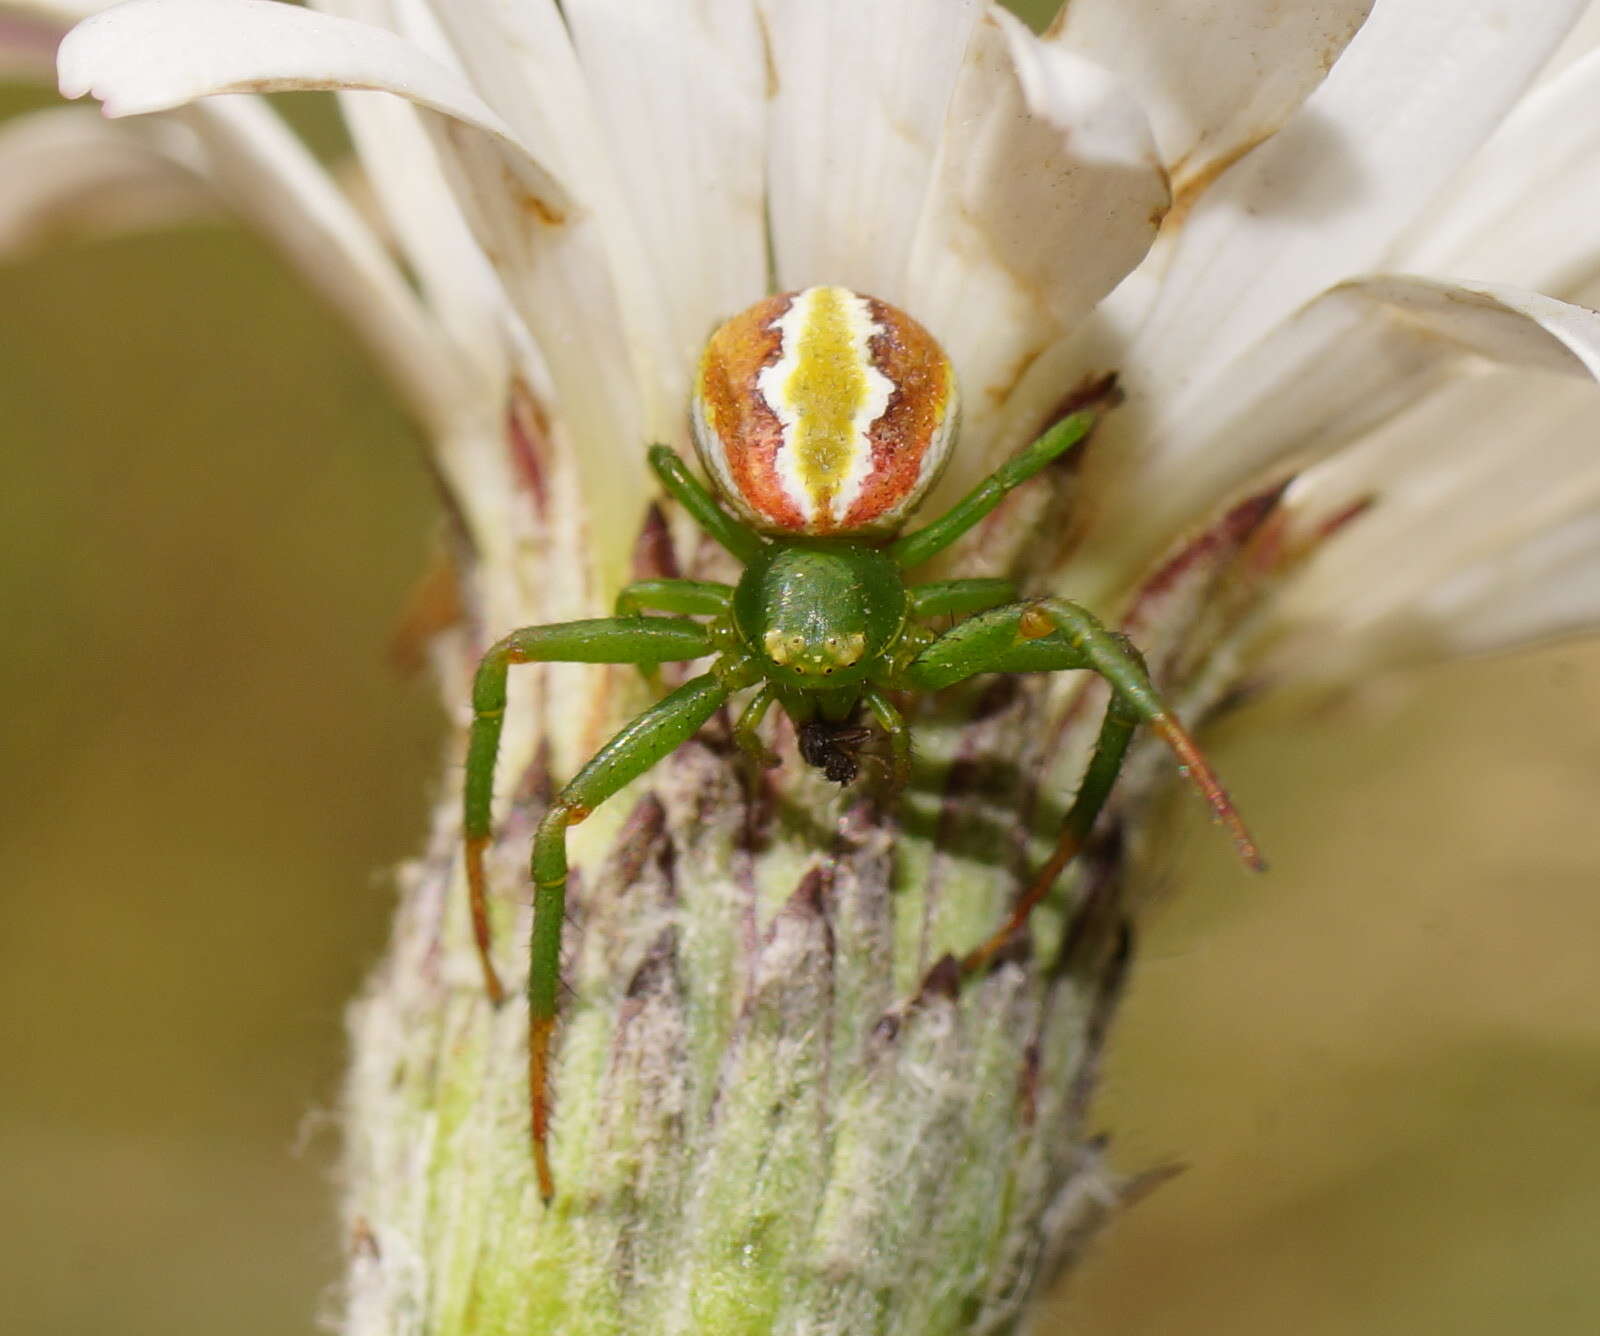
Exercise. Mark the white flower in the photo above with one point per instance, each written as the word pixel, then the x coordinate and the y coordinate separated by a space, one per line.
pixel 622 173
pixel 1339 254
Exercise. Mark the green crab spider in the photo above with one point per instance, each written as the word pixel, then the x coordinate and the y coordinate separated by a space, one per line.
pixel 823 417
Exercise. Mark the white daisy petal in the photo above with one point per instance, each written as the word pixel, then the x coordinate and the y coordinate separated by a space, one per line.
pixel 71 173
pixel 1335 370
pixel 1217 77
pixel 547 245
pixel 1546 588
pixel 522 59
pixel 261 170
pixel 679 86
pixel 1420 87
pixel 72 169
pixel 861 89
pixel 1469 485
pixel 1047 191
pixel 399 160
pixel 1506 325
pixel 154 55
pixel 1523 210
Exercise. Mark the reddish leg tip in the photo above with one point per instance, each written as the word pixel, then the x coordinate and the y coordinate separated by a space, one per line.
pixel 1205 780
pixel 478 890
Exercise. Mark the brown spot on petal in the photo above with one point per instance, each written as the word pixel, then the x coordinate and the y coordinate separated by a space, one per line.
pixel 528 439
pixel 654 556
pixel 1188 185
pixel 537 207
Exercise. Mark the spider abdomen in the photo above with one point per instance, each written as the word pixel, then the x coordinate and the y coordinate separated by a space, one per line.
pixel 824 412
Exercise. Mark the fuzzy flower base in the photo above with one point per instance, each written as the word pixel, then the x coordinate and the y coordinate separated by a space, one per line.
pixel 777 1108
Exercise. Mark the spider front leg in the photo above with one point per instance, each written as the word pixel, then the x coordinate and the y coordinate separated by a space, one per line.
pixel 604 640
pixel 1105 763
pixel 747 729
pixel 914 548
pixel 694 597
pixel 1049 635
pixel 744 543
pixel 640 744
pixel 891 722
pixel 691 597
pixel 959 598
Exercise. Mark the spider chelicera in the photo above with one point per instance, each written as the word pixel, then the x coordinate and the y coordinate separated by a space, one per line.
pixel 823 417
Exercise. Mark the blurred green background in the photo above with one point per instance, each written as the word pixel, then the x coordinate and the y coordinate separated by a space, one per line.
pixel 1381 1063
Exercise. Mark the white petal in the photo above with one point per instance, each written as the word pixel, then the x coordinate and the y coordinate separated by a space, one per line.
pixel 1216 77
pixel 521 58
pixel 1420 87
pixel 153 55
pixel 1479 496
pixel 71 173
pixel 400 162
pixel 1047 192
pixel 1332 372
pixel 861 89
pixel 1547 588
pixel 1523 210
pixel 259 168
pixel 679 86
pixel 1506 325
pixel 71 168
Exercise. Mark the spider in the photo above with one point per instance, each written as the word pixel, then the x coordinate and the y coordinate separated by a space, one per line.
pixel 823 417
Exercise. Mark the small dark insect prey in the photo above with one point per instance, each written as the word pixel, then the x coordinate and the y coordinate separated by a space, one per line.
pixel 823 417
pixel 834 749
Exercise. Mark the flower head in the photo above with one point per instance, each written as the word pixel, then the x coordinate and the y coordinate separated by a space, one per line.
pixel 1335 255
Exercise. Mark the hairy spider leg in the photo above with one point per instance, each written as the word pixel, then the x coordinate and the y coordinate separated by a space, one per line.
pixel 638 640
pixel 743 542
pixel 1048 635
pixel 1114 658
pixel 692 597
pixel 914 548
pixel 1105 763
pixel 890 721
pixel 747 730
pixel 699 598
pixel 638 746
pixel 959 598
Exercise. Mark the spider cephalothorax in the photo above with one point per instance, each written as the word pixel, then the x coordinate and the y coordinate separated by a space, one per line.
pixel 823 416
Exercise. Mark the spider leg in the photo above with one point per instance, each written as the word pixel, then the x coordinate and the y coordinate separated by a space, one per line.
pixel 1052 634
pixel 914 548
pixel 692 496
pixel 604 640
pixel 746 730
pixel 1115 659
pixel 637 747
pixel 691 597
pixel 958 598
pixel 1110 748
pixel 890 721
